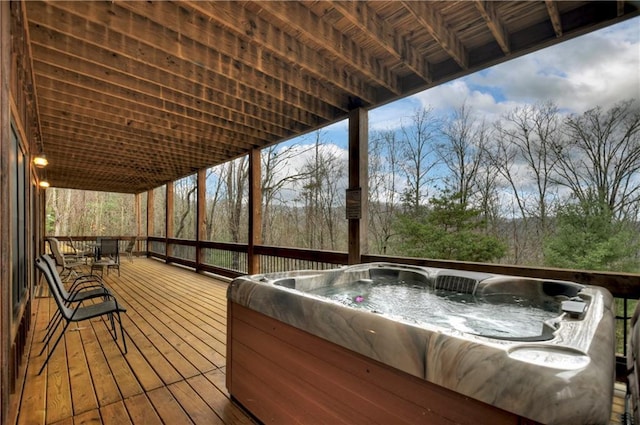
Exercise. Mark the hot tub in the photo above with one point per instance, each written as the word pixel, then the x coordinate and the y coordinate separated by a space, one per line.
pixel 388 343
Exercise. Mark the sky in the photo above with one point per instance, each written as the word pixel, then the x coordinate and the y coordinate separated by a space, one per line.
pixel 596 69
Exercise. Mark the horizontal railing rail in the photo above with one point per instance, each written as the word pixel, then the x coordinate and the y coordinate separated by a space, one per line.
pixel 80 243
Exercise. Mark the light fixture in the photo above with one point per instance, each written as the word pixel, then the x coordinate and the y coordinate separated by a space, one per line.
pixel 44 184
pixel 40 161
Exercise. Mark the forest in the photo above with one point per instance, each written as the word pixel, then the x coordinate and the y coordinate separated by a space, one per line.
pixel 538 187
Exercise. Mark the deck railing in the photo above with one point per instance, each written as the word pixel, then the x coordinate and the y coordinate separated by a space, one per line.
pixel 231 260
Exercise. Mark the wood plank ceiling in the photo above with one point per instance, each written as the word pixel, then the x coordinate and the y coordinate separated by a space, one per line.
pixel 131 95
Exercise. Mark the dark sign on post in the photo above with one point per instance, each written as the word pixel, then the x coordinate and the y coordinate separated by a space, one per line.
pixel 354 204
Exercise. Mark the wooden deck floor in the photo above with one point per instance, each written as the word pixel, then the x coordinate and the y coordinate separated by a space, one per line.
pixel 174 372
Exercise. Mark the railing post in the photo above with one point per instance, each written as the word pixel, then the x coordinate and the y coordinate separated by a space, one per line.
pixel 168 219
pixel 150 218
pixel 200 214
pixel 358 191
pixel 255 210
pixel 138 207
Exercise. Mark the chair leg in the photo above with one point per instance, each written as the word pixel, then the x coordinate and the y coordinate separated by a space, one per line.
pixel 113 331
pixel 51 331
pixel 124 342
pixel 55 316
pixel 54 347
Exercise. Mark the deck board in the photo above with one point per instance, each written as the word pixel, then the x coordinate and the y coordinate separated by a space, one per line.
pixel 174 372
pixel 174 369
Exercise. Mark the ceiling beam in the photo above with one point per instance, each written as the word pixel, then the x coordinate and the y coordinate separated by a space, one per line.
pixel 325 39
pixel 554 16
pixel 269 71
pixel 184 117
pixel 426 14
pixel 95 136
pixel 362 16
pixel 139 60
pixel 488 11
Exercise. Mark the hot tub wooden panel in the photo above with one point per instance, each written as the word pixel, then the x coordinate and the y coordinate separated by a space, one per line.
pixel 282 375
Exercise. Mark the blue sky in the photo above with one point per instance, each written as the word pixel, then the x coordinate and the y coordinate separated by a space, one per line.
pixel 596 69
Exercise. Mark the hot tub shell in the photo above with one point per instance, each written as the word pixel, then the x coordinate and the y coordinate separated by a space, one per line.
pixel 297 357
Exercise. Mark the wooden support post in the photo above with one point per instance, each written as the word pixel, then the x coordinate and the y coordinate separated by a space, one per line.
pixel 201 199
pixel 150 216
pixel 168 219
pixel 255 210
pixel 357 210
pixel 138 207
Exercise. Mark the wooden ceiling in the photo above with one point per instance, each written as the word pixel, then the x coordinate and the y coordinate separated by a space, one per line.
pixel 131 95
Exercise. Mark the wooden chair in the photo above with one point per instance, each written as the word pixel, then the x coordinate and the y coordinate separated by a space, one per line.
pixel 109 308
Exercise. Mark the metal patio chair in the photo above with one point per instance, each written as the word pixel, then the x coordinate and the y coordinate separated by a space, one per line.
pixel 78 251
pixel 71 266
pixel 110 308
pixel 129 249
pixel 109 256
pixel 83 288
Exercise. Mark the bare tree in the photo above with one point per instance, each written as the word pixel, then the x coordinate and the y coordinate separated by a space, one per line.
pixel 212 203
pixel 322 196
pixel 184 199
pixel 463 152
pixel 277 174
pixel 599 160
pixel 236 180
pixel 384 169
pixel 417 148
pixel 523 156
pixel 159 211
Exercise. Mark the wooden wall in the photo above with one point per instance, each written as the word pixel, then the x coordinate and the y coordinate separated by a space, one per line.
pixel 18 111
pixel 5 281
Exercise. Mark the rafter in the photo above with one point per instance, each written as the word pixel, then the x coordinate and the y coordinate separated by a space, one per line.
pixel 554 16
pixel 431 19
pixel 206 32
pixel 57 79
pixel 98 134
pixel 366 20
pixel 324 37
pixel 488 11
pixel 218 88
pixel 146 92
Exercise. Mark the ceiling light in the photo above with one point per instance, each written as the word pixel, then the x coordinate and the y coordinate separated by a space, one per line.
pixel 40 161
pixel 45 184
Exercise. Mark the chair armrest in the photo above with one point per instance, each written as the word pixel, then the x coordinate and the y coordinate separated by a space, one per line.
pixel 84 279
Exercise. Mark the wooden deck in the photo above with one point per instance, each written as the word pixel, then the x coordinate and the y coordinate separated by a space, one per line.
pixel 174 372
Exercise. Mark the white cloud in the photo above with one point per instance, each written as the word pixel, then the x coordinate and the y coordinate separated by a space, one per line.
pixel 597 69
